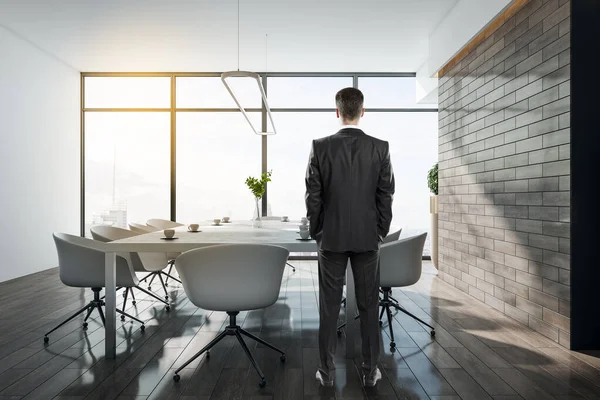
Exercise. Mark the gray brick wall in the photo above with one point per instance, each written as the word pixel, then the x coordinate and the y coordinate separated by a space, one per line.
pixel 504 170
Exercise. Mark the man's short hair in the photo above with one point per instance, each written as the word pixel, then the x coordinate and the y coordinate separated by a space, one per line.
pixel 349 101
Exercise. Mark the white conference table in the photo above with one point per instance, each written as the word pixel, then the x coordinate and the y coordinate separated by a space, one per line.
pixel 272 232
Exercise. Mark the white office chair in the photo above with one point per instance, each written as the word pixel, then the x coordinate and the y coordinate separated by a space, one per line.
pixel 81 264
pixel 233 278
pixel 400 265
pixel 145 262
pixel 159 225
pixel 141 229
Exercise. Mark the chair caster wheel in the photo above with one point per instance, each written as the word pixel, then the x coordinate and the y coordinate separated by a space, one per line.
pixel 166 298
pixel 282 358
pixel 262 383
pixel 380 323
pixel 432 333
pixel 123 295
pixel 46 340
pixel 142 328
pixel 207 353
pixel 149 287
pixel 392 345
pixel 166 284
pixel 133 302
pixel 176 378
pixel 339 332
pixel 168 308
pixel 122 318
pixel 85 325
pixel 392 349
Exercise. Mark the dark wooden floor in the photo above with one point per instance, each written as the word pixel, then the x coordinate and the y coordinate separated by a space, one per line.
pixel 477 353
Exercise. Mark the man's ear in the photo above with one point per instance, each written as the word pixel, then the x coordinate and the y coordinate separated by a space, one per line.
pixel 362 114
pixel 337 113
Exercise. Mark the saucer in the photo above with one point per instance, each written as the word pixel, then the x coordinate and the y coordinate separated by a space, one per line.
pixel 166 238
pixel 194 231
pixel 217 224
pixel 304 240
pixel 225 222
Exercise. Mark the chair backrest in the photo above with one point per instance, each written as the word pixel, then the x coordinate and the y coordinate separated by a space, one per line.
pixel 162 223
pixel 141 229
pixel 232 277
pixel 142 262
pixel 81 263
pixel 401 262
pixel 392 237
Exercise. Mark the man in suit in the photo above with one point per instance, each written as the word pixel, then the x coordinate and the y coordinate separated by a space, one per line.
pixel 349 193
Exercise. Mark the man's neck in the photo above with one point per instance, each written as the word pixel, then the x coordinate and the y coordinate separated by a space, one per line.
pixel 346 125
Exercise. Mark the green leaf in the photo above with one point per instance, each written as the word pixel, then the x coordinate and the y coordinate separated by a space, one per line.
pixel 432 179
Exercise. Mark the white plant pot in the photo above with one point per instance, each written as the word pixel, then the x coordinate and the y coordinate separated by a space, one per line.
pixel 433 209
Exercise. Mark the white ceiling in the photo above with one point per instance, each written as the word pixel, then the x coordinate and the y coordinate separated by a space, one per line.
pixel 201 35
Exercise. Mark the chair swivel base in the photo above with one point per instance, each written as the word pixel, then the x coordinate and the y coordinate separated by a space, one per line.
pixel 234 330
pixel 96 303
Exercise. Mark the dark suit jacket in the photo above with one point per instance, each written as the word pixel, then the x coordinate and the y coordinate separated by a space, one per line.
pixel 349 191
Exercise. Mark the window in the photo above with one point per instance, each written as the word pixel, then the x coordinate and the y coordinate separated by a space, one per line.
pixel 209 92
pixel 309 92
pixel 216 152
pixel 127 176
pixel 126 92
pixel 387 92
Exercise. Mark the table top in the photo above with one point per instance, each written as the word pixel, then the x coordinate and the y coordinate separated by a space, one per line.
pixel 272 232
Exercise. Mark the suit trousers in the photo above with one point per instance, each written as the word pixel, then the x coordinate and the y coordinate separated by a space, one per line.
pixel 332 270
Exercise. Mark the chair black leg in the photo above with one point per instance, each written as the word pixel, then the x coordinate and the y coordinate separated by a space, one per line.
pixel 153 295
pixel 420 320
pixel 169 274
pixel 290 265
pixel 90 309
pixel 163 286
pixel 132 298
pixel 390 319
pixel 101 315
pixel 125 302
pixel 198 354
pixel 124 314
pixel 240 339
pixel 261 341
pixel 152 280
pixel 381 314
pixel 65 321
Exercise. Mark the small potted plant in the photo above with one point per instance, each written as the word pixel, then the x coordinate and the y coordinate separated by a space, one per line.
pixel 432 183
pixel 258 186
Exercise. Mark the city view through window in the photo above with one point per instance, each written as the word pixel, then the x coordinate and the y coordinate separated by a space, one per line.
pixel 128 141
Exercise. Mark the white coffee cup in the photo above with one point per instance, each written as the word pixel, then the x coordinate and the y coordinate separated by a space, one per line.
pixel 193 227
pixel 169 233
pixel 225 219
pixel 304 220
pixel 304 233
pixel 217 221
pixel 303 227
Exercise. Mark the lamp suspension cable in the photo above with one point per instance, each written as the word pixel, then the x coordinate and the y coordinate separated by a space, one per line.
pixel 238 35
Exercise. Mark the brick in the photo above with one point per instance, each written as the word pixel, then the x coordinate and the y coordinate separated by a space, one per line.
pixel 516 134
pixel 529 280
pixel 528 199
pixel 544 328
pixel 505 174
pixel 504 126
pixel 545 271
pixel 543 184
pixel 504 247
pixel 516 211
pixel 543 299
pixel 494 187
pixel 564 89
pixel 541 13
pixel 532 171
pixel 487 154
pixel 543 242
pixel 564 246
pixel 529 226
pixel 506 150
pixel 478 294
pixel 564 214
pixel 558 107
pixel 494 302
pixel 504 271
pixel 543 156
pixel 517 263
pixel 504 223
pixel 564 57
pixel 543 213
pixel 485 133
pixel 531 116
pixel 531 89
pixel 494 233
pixel 544 126
pixel 485 221
pixel 531 253
pixel 517 160
pixel 564 307
pixel 557 199
pixel 534 143
pixel 494 256
pixel 475 168
pixel 545 97
pixel 555 319
pixel 487 176
pixel 517 314
pixel 494 210
pixel 557 16
pixel 560 229
pixel 485 265
pixel 517 186
pixel 564 276
pixel 504 198
pixel 556 78
pixel 516 83
pixel 485 287
pixel 557 168
pixel 516 109
pixel 558 290
pixel 564 152
pixel 556 259
pixel 521 238
pixel 477 272
pixel 529 307
pixel 505 296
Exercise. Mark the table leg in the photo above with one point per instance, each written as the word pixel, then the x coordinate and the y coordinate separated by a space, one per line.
pixel 110 329
pixel 351 311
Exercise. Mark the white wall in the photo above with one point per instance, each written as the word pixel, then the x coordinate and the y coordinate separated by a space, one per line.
pixel 39 155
